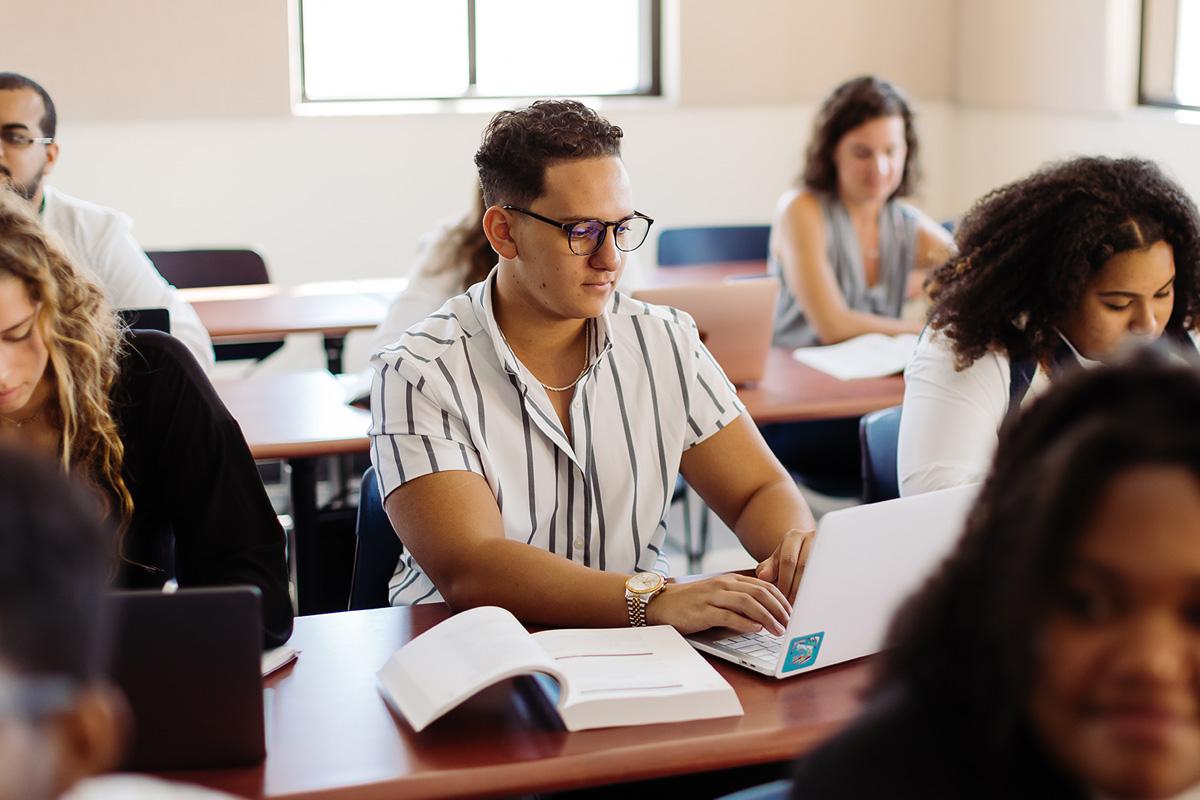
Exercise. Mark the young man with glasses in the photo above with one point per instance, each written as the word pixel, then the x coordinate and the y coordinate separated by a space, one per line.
pixel 98 238
pixel 527 435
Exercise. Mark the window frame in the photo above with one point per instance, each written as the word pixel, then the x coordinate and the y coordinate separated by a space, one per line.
pixel 1158 43
pixel 649 66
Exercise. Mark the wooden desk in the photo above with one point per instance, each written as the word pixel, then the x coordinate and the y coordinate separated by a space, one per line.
pixel 791 391
pixel 330 735
pixel 298 417
pixel 295 414
pixel 264 311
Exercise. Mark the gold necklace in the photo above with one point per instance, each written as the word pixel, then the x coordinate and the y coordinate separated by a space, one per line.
pixel 17 423
pixel 547 386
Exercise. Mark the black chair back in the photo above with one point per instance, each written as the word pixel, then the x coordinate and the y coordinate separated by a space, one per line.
pixel 189 269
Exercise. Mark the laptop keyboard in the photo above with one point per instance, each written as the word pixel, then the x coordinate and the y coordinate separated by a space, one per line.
pixel 762 647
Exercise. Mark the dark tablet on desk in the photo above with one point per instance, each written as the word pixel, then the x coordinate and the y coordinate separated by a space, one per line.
pixel 189 664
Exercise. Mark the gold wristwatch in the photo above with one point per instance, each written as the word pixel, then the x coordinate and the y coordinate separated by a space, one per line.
pixel 640 589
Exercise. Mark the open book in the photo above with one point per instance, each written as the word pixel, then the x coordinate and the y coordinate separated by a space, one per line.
pixel 872 355
pixel 602 676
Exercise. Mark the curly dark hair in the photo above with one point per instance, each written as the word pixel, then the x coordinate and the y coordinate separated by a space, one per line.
pixel 518 146
pixel 1026 252
pixel 851 104
pixel 963 645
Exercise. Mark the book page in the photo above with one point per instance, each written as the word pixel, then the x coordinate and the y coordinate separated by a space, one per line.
pixel 448 663
pixel 633 676
pixel 872 355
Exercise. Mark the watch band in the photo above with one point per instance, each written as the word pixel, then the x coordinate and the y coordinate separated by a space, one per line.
pixel 637 610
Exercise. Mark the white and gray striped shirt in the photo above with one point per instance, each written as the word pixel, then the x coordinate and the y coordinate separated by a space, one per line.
pixel 450 394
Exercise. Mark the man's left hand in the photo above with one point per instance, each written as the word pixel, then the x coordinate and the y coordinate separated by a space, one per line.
pixel 785 566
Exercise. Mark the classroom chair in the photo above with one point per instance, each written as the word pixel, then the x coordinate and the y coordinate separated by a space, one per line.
pixel 190 269
pixel 378 549
pixel 679 247
pixel 879 433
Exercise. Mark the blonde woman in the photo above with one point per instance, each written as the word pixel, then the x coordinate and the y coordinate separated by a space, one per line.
pixel 131 415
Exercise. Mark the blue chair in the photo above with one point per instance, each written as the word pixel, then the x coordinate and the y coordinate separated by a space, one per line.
pixel 378 550
pixel 879 433
pixel 679 247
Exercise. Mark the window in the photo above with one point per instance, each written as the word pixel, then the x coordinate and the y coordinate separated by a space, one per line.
pixel 1170 74
pixel 355 50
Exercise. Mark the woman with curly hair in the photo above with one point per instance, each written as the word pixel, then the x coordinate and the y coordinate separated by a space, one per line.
pixel 1056 653
pixel 132 415
pixel 1054 271
pixel 848 250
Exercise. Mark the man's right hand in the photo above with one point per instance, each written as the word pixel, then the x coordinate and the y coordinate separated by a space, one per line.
pixel 729 601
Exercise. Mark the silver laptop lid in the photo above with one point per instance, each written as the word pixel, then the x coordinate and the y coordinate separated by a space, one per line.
pixel 736 320
pixel 865 562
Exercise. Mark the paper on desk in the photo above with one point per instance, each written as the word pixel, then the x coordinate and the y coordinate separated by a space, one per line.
pixel 872 355
pixel 277 658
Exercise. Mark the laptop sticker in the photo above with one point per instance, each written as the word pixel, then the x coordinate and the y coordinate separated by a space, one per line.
pixel 802 651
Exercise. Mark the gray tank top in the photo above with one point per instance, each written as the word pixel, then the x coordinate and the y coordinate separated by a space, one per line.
pixel 897 251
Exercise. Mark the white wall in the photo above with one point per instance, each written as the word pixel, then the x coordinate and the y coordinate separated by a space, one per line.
pixel 179 114
pixel 181 119
pixel 1041 81
pixel 348 197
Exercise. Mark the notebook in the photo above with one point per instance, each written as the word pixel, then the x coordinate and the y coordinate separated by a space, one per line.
pixel 736 319
pixel 864 563
pixel 872 355
pixel 189 663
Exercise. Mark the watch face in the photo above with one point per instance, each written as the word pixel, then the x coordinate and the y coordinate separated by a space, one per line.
pixel 644 582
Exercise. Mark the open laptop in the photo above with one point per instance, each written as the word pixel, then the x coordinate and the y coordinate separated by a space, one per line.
pixel 736 319
pixel 864 563
pixel 189 663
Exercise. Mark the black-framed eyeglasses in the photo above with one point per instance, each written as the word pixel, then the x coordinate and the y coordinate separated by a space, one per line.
pixel 587 235
pixel 20 140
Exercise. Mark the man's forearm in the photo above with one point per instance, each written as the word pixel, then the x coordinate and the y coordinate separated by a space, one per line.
pixel 538 587
pixel 771 512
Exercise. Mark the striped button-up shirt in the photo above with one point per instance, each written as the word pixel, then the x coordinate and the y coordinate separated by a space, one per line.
pixel 450 394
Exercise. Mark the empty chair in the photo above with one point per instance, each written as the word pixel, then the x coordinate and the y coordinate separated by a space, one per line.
pixel 378 551
pixel 878 432
pixel 709 245
pixel 190 269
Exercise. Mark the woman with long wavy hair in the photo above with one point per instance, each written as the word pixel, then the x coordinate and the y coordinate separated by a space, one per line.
pixel 132 415
pixel 849 250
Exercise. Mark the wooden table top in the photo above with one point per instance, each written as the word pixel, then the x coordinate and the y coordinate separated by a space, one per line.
pixel 274 315
pixel 791 391
pixel 293 415
pixel 330 735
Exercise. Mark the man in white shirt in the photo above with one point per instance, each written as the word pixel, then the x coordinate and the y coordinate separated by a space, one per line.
pixel 97 238
pixel 527 434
